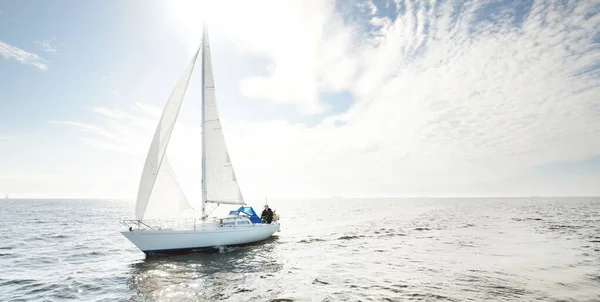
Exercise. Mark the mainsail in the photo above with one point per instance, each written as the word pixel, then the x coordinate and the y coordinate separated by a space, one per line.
pixel 159 193
pixel 221 183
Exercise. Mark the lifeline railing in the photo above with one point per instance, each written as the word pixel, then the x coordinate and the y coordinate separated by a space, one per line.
pixel 181 224
pixel 187 223
pixel 129 223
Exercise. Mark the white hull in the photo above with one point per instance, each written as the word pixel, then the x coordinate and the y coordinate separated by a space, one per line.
pixel 162 241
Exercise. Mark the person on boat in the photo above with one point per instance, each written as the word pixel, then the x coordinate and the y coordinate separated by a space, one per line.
pixel 267 214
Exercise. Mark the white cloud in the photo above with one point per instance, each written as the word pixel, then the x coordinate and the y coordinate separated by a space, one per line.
pixel 443 97
pixel 47 45
pixel 124 132
pixel 368 7
pixel 117 92
pixel 311 50
pixel 107 77
pixel 148 109
pixel 87 128
pixel 308 44
pixel 10 52
pixel 437 102
pixel 110 82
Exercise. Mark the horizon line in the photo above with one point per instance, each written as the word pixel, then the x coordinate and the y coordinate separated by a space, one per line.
pixel 314 198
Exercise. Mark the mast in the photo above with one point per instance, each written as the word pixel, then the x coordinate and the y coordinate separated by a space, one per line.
pixel 204 34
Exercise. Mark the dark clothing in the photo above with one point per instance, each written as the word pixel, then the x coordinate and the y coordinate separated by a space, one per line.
pixel 267 215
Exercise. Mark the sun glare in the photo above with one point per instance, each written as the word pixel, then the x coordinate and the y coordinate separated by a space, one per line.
pixel 188 17
pixel 244 22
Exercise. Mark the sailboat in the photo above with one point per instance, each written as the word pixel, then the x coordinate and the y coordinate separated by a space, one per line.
pixel 160 195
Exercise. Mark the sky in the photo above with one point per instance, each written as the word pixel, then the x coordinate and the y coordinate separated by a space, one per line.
pixel 317 98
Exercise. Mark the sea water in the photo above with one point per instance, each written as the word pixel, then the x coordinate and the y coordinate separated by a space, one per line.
pixel 495 249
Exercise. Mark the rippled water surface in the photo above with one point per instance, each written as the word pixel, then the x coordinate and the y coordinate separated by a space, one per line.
pixel 327 250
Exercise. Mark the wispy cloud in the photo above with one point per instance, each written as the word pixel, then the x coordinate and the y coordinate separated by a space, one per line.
pixel 14 53
pixel 148 109
pixel 114 114
pixel 47 45
pixel 111 84
pixel 117 92
pixel 86 128
pixel 445 94
pixel 107 77
pixel 124 130
pixel 367 7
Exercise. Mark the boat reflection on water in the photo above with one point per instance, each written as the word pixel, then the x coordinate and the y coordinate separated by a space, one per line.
pixel 212 274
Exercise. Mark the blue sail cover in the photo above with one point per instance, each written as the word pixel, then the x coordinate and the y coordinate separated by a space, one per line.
pixel 248 211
